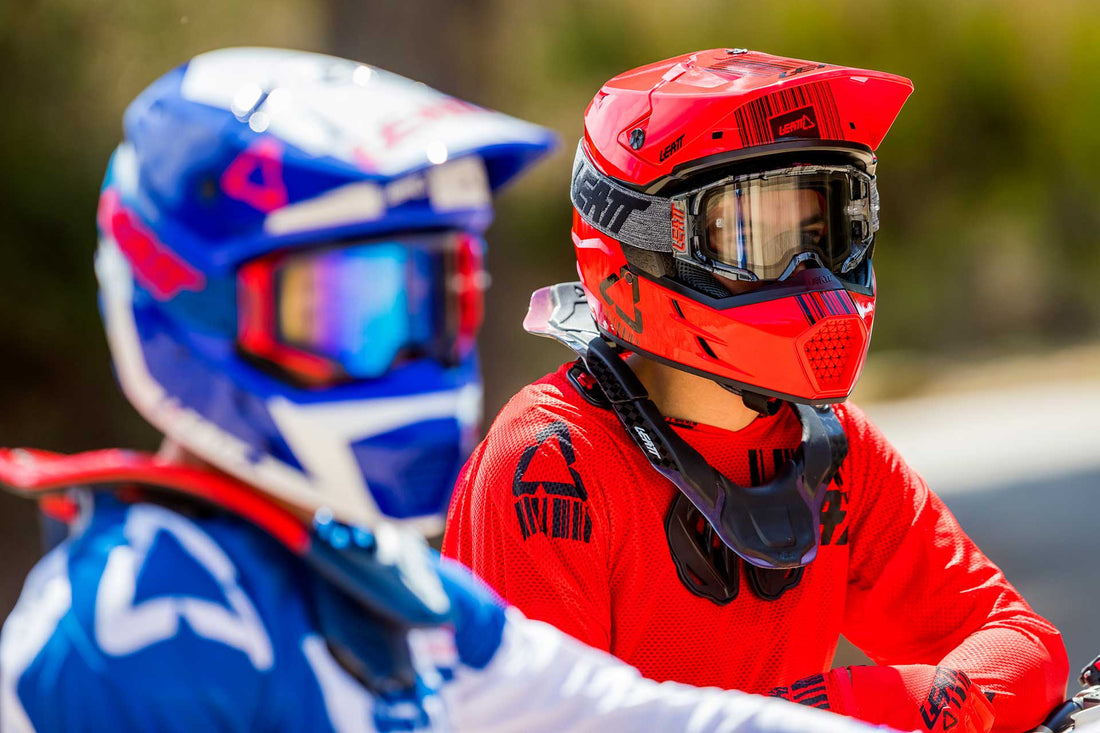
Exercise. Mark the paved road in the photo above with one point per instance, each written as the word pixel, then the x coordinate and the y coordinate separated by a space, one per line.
pixel 1045 535
pixel 1021 471
pixel 985 441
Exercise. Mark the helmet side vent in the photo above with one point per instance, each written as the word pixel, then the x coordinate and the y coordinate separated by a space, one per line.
pixel 706 348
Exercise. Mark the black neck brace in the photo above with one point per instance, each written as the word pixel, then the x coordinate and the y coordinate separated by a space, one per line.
pixel 772 526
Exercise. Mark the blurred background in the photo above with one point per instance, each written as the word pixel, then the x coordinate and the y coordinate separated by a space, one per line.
pixel 985 365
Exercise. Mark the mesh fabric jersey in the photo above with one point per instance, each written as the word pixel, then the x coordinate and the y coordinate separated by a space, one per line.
pixel 560 512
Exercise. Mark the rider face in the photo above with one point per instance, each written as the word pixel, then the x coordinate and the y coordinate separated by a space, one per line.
pixel 780 215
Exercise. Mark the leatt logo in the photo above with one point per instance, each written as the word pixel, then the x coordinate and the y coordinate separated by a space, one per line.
pixel 950 689
pixel 677 228
pixel 800 69
pixel 647 441
pixel 801 122
pixel 550 498
pixel 672 147
pixel 599 203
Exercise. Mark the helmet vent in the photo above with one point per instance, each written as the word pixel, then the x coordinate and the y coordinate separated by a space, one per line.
pixel 699 279
pixel 828 352
pixel 706 347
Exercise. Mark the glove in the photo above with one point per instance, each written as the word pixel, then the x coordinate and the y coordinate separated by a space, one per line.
pixel 909 697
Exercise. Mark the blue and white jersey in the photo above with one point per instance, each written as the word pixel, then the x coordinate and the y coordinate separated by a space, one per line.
pixel 150 620
pixel 146 619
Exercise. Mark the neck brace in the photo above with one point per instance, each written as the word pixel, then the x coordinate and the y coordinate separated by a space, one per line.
pixel 772 526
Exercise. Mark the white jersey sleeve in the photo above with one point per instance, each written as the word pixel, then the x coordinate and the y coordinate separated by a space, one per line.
pixel 540 679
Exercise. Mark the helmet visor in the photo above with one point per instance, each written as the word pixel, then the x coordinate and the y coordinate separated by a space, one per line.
pixel 352 311
pixel 761 226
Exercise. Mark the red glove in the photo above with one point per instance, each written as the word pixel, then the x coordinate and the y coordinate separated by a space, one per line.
pixel 911 697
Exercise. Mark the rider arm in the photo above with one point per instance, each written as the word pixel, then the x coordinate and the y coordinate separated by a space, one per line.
pixel 922 595
pixel 529 519
pixel 518 674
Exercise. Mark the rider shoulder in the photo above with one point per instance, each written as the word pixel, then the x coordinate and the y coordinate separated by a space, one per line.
pixel 553 406
pixel 139 599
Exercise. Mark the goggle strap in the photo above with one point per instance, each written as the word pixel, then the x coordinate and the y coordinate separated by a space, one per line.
pixel 633 218
pixel 638 219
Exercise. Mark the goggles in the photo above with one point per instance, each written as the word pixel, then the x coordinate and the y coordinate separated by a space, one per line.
pixel 353 311
pixel 761 226
pixel 756 226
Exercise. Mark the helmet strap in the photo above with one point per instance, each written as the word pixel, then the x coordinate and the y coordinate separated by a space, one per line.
pixel 766 406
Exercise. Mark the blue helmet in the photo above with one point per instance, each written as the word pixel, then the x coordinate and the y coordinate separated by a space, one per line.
pixel 290 274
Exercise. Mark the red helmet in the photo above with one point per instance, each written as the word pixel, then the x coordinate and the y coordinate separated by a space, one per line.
pixel 729 165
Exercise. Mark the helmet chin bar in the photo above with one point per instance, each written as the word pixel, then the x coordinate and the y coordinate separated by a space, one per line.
pixel 772 526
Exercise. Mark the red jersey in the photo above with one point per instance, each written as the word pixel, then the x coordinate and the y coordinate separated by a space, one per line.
pixel 563 515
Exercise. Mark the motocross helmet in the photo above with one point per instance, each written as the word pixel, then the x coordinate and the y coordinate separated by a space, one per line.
pixel 290 268
pixel 707 170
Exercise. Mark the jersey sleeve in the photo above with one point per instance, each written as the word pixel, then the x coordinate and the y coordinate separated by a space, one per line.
pixel 920 592
pixel 85 649
pixel 541 680
pixel 515 674
pixel 528 517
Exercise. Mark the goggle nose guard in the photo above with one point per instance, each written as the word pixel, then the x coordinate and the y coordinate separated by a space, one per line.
pixel 772 526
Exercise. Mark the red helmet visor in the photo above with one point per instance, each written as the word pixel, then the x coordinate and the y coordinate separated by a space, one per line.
pixel 350 311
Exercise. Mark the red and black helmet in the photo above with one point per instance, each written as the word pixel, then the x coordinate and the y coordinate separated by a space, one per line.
pixel 707 170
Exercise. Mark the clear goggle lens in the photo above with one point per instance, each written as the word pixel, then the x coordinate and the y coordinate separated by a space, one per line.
pixel 761 226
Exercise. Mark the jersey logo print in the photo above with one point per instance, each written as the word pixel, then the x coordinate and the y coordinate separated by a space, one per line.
pixel 834 527
pixel 757 468
pixel 550 498
pixel 949 691
pixel 810 692
pixel 125 623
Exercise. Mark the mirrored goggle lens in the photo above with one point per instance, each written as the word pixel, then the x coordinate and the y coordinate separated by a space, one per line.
pixel 764 224
pixel 352 311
